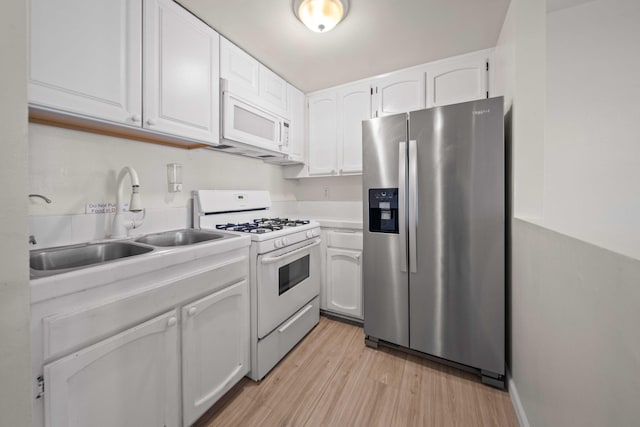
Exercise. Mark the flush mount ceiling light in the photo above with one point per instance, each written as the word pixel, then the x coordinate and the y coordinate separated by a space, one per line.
pixel 320 15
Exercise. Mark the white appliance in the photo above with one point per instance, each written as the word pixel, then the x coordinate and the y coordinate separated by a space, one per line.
pixel 285 269
pixel 250 130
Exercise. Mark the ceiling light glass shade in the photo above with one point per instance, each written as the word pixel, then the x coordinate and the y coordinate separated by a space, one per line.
pixel 320 15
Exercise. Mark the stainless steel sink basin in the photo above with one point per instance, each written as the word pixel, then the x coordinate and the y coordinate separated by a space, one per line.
pixel 58 260
pixel 180 237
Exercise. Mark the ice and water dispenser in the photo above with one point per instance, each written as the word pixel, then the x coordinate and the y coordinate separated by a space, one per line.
pixel 383 210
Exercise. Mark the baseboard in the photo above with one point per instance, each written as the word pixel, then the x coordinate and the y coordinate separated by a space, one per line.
pixel 517 404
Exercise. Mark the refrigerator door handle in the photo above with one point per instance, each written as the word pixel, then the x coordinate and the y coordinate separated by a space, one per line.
pixel 402 206
pixel 413 205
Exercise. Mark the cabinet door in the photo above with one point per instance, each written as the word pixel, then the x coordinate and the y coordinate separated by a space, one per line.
pixel 273 92
pixel 215 348
pixel 85 58
pixel 344 281
pixel 296 137
pixel 354 106
pixel 322 134
pixel 400 92
pixel 458 80
pixel 130 379
pixel 181 86
pixel 240 69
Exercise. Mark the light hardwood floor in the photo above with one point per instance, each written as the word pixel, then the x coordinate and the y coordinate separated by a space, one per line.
pixel 332 379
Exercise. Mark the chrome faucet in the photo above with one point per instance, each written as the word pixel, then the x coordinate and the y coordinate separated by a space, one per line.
pixel 32 238
pixel 123 223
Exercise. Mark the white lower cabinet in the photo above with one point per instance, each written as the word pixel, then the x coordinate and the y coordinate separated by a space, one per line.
pixel 129 379
pixel 105 356
pixel 344 281
pixel 215 348
pixel 342 285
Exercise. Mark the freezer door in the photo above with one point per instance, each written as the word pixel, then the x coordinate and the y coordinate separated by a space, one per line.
pixel 385 276
pixel 457 233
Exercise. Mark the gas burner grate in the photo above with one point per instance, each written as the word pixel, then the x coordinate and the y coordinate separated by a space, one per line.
pixel 263 225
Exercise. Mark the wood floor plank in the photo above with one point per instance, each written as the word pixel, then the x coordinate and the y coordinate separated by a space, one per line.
pixel 332 379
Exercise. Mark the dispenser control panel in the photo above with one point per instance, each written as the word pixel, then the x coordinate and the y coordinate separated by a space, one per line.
pixel 383 210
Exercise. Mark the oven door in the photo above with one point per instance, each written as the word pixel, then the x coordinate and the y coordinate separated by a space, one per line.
pixel 287 279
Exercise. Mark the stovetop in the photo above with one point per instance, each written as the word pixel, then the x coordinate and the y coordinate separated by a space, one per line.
pixel 263 225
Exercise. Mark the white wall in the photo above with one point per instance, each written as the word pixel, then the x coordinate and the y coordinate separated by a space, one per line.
pixel 337 189
pixel 575 356
pixel 15 384
pixel 525 38
pixel 592 146
pixel 74 168
pixel 575 347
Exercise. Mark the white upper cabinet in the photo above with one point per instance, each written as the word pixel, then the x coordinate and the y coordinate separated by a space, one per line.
pixel 247 78
pixel 181 73
pixel 297 106
pixel 85 58
pixel 458 80
pixel 273 91
pixel 399 92
pixel 215 348
pixel 354 106
pixel 322 134
pixel 130 379
pixel 335 129
pixel 240 69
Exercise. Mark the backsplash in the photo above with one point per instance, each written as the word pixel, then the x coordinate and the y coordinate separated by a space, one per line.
pixel 58 230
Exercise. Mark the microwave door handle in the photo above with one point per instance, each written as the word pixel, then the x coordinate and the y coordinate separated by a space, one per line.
pixel 402 208
pixel 272 259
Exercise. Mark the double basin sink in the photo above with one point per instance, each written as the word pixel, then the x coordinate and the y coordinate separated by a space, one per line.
pixel 47 262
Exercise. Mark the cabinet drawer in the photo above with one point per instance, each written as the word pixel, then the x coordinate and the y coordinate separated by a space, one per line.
pixel 279 342
pixel 344 239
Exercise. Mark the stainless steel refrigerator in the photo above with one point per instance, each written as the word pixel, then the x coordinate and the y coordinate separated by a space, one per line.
pixel 434 234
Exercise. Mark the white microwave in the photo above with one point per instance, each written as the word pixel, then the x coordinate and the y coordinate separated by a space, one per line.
pixel 248 124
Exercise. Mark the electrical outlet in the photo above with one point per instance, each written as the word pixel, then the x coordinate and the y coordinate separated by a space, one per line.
pixel 326 193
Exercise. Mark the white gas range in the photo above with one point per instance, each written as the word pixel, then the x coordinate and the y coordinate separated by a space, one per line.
pixel 285 269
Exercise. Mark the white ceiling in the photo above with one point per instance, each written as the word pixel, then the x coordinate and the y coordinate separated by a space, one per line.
pixel 377 36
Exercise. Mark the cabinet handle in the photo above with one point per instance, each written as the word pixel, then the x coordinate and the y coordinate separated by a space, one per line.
pixel 151 122
pixel 172 321
pixel 192 311
pixel 333 171
pixel 135 118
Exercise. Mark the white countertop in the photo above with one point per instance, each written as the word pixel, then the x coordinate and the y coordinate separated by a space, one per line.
pixel 354 224
pixel 58 285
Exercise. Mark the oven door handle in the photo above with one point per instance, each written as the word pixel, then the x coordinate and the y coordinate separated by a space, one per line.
pixel 295 319
pixel 272 259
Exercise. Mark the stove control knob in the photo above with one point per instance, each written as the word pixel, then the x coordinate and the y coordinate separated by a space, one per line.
pixel 309 234
pixel 278 243
pixel 285 241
